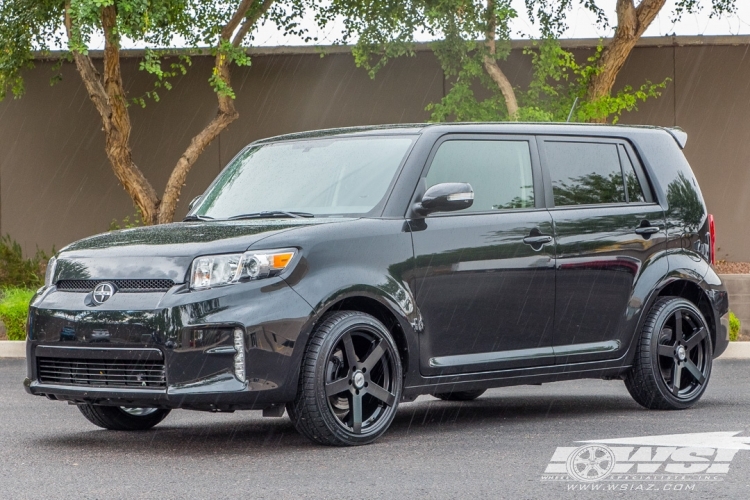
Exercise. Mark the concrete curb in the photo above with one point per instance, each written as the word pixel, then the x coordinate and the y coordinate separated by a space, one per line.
pixel 737 350
pixel 16 349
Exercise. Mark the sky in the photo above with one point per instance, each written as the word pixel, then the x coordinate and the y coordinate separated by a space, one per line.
pixel 581 24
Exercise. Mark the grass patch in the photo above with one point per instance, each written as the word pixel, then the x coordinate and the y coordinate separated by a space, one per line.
pixel 14 310
pixel 734 327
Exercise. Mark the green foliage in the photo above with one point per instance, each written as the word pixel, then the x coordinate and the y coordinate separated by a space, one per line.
pixel 385 29
pixel 18 271
pixel 159 25
pixel 734 327
pixel 14 311
pixel 127 222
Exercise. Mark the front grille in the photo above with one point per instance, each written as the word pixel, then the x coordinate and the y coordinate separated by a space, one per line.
pixel 102 373
pixel 125 286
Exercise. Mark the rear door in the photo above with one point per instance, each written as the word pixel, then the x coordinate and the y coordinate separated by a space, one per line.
pixel 485 275
pixel 608 228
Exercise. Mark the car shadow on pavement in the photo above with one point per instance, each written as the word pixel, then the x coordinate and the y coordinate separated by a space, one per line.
pixel 426 418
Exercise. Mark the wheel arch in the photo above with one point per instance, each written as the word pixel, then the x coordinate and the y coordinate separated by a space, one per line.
pixel 693 292
pixel 396 323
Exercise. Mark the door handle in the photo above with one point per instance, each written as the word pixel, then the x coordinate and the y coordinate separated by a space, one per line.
pixel 537 240
pixel 647 230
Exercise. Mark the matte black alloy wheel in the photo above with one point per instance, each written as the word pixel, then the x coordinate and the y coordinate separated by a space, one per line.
pixel 682 350
pixel 673 359
pixel 350 383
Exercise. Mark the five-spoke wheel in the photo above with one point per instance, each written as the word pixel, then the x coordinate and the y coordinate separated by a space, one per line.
pixel 350 382
pixel 673 360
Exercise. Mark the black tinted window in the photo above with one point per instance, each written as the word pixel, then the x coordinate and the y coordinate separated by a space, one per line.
pixel 585 173
pixel 499 172
pixel 635 192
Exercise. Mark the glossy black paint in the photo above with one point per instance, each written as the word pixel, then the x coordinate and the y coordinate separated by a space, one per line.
pixel 474 300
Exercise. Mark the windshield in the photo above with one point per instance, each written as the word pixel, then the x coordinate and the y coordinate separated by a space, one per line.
pixel 322 177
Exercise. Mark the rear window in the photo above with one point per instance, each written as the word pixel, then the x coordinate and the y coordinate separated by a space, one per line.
pixel 585 173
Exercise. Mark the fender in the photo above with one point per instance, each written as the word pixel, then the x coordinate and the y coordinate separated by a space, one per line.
pixel 684 274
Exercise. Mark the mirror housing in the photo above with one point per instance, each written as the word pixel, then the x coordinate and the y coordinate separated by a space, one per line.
pixel 446 197
pixel 193 202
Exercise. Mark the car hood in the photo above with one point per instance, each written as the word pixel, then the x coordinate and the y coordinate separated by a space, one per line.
pixel 165 251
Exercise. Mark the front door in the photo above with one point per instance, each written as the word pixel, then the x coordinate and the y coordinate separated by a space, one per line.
pixel 485 275
pixel 609 231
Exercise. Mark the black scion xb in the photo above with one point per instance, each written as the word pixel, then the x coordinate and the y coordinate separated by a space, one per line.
pixel 335 274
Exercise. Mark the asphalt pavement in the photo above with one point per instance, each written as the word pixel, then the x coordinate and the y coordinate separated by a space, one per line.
pixel 512 443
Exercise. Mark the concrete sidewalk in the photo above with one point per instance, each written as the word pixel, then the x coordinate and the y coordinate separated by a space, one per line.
pixel 16 349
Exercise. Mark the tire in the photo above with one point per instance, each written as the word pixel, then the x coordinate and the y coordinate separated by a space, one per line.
pixel 665 354
pixel 460 395
pixel 351 361
pixel 115 418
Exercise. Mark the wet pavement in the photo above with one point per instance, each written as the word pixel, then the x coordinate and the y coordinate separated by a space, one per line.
pixel 498 446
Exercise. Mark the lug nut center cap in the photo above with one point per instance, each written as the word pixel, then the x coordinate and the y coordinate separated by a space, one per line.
pixel 358 380
pixel 681 354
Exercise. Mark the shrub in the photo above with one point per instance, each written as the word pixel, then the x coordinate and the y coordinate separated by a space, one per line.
pixel 734 327
pixel 17 271
pixel 14 309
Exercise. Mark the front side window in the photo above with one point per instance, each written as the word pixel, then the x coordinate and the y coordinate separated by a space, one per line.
pixel 498 171
pixel 585 173
pixel 322 177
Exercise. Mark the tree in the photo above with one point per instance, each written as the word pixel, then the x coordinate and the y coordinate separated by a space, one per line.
pixel 472 38
pixel 219 26
pixel 632 22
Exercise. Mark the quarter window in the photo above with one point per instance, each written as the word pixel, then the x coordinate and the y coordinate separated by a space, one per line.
pixel 585 173
pixel 498 171
pixel 632 185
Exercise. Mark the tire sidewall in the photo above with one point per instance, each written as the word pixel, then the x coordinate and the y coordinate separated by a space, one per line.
pixel 350 324
pixel 664 314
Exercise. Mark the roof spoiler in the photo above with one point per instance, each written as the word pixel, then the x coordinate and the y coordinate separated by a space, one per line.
pixel 679 135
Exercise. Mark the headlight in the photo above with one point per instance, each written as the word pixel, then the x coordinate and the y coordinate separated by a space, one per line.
pixel 49 275
pixel 216 270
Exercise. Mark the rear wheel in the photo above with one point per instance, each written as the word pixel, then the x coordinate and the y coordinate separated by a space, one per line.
pixel 460 395
pixel 350 381
pixel 673 360
pixel 118 418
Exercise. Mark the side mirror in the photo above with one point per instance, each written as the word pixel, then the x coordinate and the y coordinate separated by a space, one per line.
pixel 446 197
pixel 193 203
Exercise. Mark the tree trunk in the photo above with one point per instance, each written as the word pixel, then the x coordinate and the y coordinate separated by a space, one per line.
pixel 109 99
pixel 493 69
pixel 632 22
pixel 225 115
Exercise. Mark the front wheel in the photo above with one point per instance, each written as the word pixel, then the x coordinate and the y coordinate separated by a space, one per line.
pixel 117 418
pixel 350 381
pixel 673 359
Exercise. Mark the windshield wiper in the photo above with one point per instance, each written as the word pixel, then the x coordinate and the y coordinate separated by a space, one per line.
pixel 270 214
pixel 192 218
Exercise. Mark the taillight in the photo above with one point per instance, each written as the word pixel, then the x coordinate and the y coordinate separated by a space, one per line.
pixel 711 239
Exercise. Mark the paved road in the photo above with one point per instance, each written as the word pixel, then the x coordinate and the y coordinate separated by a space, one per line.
pixel 496 447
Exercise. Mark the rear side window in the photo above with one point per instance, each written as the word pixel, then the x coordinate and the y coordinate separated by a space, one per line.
pixel 585 173
pixel 498 171
pixel 632 185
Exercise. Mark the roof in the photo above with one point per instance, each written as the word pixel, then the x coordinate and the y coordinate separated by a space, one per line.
pixel 478 127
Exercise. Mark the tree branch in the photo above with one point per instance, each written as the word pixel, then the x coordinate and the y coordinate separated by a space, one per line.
pixel 632 22
pixel 89 74
pixel 250 22
pixel 493 69
pixel 225 115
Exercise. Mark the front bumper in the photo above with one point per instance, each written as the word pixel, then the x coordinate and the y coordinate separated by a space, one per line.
pixel 84 354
